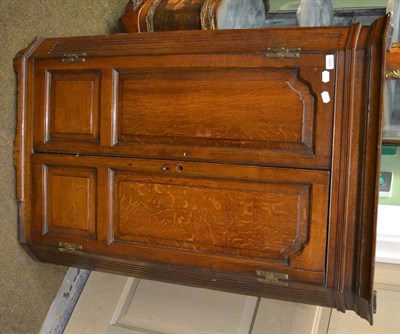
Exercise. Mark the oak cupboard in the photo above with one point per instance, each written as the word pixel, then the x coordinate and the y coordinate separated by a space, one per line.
pixel 237 160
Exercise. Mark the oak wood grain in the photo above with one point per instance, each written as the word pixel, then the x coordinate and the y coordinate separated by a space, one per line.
pixel 196 159
pixel 230 218
pixel 274 114
pixel 251 217
pixel 263 106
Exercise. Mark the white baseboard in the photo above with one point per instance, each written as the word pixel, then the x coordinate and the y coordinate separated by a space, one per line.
pixel 65 301
pixel 388 234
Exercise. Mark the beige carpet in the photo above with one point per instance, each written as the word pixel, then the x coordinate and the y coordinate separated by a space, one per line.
pixel 27 287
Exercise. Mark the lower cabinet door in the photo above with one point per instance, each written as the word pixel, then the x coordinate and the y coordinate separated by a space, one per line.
pixel 268 223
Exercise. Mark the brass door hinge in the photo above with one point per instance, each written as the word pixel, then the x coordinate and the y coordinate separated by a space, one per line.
pixel 272 278
pixel 282 52
pixel 73 58
pixel 69 248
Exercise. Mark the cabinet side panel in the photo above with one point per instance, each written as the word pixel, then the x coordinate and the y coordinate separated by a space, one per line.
pixel 365 296
pixel 22 144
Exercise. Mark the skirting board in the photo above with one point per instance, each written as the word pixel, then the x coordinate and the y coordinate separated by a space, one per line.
pixel 65 301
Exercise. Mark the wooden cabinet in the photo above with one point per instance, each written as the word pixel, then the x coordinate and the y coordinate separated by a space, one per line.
pixel 238 160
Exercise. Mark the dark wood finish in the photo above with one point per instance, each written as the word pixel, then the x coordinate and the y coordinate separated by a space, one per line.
pixel 196 158
pixel 172 15
pixel 393 62
pixel 391 141
pixel 198 122
pixel 189 108
pixel 84 124
pixel 250 217
pixel 162 15
pixel 130 21
pixel 220 280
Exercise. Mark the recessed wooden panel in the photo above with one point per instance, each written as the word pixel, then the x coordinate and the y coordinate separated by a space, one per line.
pixel 69 199
pixel 269 220
pixel 246 108
pixel 73 102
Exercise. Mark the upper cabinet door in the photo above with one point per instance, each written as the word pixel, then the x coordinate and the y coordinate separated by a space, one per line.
pixel 273 106
pixel 273 114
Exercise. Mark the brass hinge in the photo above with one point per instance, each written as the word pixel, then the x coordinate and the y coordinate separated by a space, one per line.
pixel 282 52
pixel 73 58
pixel 272 278
pixel 69 248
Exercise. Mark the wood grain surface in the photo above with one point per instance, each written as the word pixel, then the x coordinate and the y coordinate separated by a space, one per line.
pixel 206 158
pixel 225 217
pixel 73 101
pixel 178 108
pixel 262 106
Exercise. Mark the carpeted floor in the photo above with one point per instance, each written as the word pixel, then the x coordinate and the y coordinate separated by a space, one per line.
pixel 27 287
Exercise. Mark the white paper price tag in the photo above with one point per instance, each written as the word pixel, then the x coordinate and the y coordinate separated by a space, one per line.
pixel 330 62
pixel 325 97
pixel 326 77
